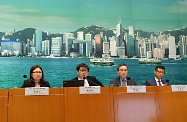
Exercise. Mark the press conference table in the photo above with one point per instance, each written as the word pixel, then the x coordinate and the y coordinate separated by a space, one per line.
pixel 3 105
pixel 36 108
pixel 88 107
pixel 113 104
pixel 172 106
pixel 62 105
pixel 135 107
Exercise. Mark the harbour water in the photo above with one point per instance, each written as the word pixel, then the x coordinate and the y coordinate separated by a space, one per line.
pixel 56 70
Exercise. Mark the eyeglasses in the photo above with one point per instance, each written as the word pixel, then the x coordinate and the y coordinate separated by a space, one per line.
pixel 39 72
pixel 125 70
pixel 160 72
pixel 83 70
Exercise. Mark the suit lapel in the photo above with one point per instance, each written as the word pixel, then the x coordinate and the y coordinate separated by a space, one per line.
pixel 154 83
pixel 163 82
pixel 118 81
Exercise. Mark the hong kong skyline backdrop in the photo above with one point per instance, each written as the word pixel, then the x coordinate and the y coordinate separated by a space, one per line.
pixel 68 15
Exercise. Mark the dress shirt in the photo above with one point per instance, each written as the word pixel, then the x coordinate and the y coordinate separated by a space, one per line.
pixel 158 82
pixel 123 82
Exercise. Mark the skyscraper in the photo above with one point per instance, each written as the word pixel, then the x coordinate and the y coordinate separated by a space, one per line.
pixel 131 31
pixel 38 40
pixel 56 46
pixel 66 36
pixel 80 35
pixel 46 47
pixel 113 48
pixel 12 47
pixel 172 47
pixel 119 37
pixel 183 45
pixel 106 47
pixel 98 51
pixel 130 47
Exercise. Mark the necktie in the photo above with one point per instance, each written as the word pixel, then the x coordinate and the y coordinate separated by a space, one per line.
pixel 123 82
pixel 159 83
pixel 86 82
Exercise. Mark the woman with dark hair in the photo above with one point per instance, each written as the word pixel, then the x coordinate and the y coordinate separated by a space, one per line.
pixel 36 78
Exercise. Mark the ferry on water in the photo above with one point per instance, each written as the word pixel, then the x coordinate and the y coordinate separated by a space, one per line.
pixel 106 60
pixel 184 57
pixel 149 61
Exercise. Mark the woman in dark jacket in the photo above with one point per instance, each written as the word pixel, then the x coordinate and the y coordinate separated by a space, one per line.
pixel 36 78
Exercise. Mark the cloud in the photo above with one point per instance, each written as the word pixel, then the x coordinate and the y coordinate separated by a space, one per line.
pixel 19 17
pixel 13 9
pixel 178 7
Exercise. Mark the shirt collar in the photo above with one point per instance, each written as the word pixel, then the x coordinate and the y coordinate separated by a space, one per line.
pixel 157 79
pixel 79 78
pixel 125 79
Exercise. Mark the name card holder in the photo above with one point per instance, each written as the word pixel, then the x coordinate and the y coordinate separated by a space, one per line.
pixel 90 90
pixel 136 89
pixel 36 91
pixel 179 88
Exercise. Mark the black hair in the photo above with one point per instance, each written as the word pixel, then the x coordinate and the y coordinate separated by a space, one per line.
pixel 160 67
pixel 120 66
pixel 82 65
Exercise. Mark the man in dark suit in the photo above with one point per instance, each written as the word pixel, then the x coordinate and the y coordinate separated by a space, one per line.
pixel 82 71
pixel 157 80
pixel 122 80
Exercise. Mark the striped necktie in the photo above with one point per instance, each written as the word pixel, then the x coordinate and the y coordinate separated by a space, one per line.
pixel 123 82
pixel 159 83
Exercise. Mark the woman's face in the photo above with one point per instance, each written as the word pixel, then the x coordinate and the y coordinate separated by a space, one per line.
pixel 37 74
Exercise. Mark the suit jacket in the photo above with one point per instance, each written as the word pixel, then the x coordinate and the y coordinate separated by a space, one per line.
pixel 152 82
pixel 42 84
pixel 116 82
pixel 92 80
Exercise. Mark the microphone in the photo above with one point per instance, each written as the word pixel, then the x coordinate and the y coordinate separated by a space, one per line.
pixel 24 76
pixel 111 84
pixel 167 81
pixel 128 78
pixel 91 81
pixel 119 84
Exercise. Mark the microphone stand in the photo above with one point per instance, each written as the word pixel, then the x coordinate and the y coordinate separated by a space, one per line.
pixel 91 81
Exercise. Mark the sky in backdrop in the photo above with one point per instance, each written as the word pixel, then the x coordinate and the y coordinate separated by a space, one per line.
pixel 60 16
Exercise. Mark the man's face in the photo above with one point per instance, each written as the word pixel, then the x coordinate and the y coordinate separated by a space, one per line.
pixel 159 73
pixel 83 72
pixel 123 70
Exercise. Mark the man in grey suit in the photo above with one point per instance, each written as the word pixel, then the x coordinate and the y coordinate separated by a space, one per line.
pixel 122 80
pixel 157 80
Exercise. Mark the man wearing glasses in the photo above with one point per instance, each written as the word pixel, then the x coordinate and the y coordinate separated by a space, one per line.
pixel 82 71
pixel 122 80
pixel 157 80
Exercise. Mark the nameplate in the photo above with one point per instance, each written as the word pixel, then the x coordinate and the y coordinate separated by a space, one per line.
pixel 179 88
pixel 36 91
pixel 90 90
pixel 136 89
